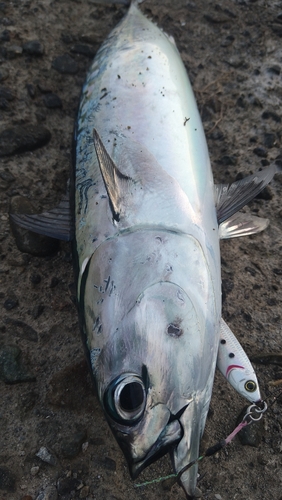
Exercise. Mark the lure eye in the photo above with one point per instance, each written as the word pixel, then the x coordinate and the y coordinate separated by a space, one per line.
pixel 250 386
pixel 125 399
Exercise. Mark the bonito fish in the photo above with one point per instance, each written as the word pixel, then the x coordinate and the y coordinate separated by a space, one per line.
pixel 148 220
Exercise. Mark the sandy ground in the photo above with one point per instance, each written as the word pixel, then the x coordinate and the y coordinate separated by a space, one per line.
pixel 233 52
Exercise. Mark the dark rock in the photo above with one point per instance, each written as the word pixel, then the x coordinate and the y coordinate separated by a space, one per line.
pixel 265 194
pixel 54 282
pixel 227 41
pixel 67 484
pixel 35 279
pixel 269 140
pixel 84 50
pixel 277 271
pixel 67 38
pixel 31 90
pixel 271 114
pixel 271 302
pixel 250 435
pixel 250 270
pixel 49 493
pixel 7 479
pixel 10 304
pixel 37 311
pixel 22 329
pixel 277 29
pixel 12 370
pixel 52 101
pixel 27 241
pixel 28 400
pixel 65 64
pixel 71 447
pixel 260 151
pixel 227 287
pixel 4 104
pixel 23 138
pixel 6 94
pixel 274 70
pixel 5 36
pixel 33 48
pixel 13 51
pixel 228 160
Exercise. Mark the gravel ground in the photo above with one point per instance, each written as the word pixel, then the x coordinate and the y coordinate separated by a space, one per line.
pixel 54 441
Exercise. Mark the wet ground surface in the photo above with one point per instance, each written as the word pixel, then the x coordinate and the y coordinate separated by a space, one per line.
pixel 54 441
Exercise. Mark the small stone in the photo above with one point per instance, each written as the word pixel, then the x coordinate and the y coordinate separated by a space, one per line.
pixel 10 304
pixel 274 70
pixel 269 140
pixel 218 496
pixel 35 279
pixel 84 50
pixel 228 160
pixel 54 282
pixel 84 492
pixel 14 51
pixel 71 447
pixel 28 241
pixel 45 455
pixel 65 64
pixel 12 370
pixel 49 493
pixel 34 470
pixel 52 101
pixel 260 151
pixel 271 114
pixel 23 138
pixel 7 479
pixel 33 48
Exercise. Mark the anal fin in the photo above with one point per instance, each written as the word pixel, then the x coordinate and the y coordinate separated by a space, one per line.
pixel 241 224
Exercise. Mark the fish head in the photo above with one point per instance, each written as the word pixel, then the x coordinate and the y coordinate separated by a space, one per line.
pixel 151 382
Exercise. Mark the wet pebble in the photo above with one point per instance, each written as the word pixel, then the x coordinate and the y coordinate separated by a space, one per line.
pixel 269 140
pixel 71 447
pixel 54 282
pixel 250 435
pixel 23 138
pixel 27 241
pixel 34 470
pixel 7 479
pixel 260 151
pixel 84 50
pixel 35 279
pixel 274 70
pixel 10 304
pixel 49 493
pixel 6 93
pixel 33 48
pixel 52 101
pixel 65 64
pixel 266 115
pixel 12 370
pixel 46 456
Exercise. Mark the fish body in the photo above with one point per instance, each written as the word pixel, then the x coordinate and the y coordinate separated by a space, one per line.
pixel 147 245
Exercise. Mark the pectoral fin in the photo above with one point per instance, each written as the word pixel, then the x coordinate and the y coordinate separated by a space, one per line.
pixel 57 223
pixel 241 224
pixel 230 198
pixel 117 184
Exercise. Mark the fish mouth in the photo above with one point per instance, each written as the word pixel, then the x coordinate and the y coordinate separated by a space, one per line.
pixel 168 439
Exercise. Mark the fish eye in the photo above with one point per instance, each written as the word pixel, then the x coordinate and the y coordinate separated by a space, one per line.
pixel 250 386
pixel 125 399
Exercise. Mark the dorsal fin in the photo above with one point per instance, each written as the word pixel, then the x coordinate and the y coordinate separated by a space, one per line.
pixel 230 198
